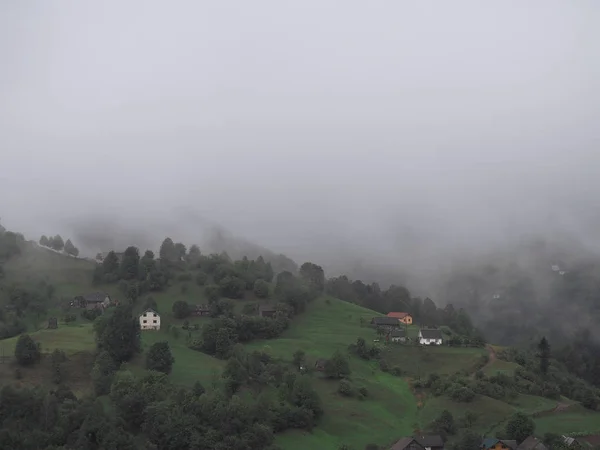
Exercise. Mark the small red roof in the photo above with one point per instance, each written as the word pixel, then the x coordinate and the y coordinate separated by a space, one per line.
pixel 398 315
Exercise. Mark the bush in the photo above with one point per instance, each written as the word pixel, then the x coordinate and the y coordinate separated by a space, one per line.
pixel 383 365
pixel 184 288
pixel 345 388
pixel 91 314
pixel 396 371
pixel 212 292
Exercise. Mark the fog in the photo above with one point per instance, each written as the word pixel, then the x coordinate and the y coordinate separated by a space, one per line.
pixel 400 134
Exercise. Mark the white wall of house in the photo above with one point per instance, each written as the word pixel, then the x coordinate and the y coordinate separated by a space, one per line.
pixel 149 320
pixel 424 341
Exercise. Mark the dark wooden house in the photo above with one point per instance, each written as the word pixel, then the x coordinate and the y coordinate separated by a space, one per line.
pixel 94 300
pixel 385 322
pixel 200 310
pixel 266 311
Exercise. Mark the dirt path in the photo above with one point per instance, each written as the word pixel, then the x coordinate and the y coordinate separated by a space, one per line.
pixel 560 407
pixel 491 358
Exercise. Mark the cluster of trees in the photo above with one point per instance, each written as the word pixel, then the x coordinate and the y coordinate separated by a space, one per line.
pixel 57 243
pixel 292 294
pixel 19 300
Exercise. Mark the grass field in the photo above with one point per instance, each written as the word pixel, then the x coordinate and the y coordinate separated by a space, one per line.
pixel 389 411
pixel 70 339
pixel 575 420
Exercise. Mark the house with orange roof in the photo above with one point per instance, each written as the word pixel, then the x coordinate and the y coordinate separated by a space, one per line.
pixel 403 317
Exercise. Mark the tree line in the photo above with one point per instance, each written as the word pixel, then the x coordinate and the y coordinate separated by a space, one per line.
pixel 57 243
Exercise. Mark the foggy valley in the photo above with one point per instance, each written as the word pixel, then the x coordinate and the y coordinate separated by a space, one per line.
pixel 449 149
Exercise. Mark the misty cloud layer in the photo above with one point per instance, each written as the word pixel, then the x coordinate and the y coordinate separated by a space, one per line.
pixel 344 132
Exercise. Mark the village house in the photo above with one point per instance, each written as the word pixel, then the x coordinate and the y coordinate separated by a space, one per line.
pixel 200 310
pixel 403 317
pixel 430 337
pixel 398 335
pixel 498 444
pixel 149 320
pixel 532 443
pixel 432 442
pixel 52 323
pixel 407 443
pixel 266 311
pixel 385 322
pixel 95 300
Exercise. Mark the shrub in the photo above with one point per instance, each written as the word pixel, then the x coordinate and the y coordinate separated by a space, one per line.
pixel 159 358
pixel 345 388
pixel 261 288
pixel 396 371
pixel 383 365
pixel 184 288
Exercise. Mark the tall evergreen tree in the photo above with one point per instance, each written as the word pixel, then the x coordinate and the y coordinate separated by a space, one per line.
pixel 544 355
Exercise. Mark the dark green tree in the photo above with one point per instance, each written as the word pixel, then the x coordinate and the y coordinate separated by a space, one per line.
pixel 57 242
pixel 544 355
pixel 232 287
pixel 110 264
pixel 118 333
pixel 44 241
pixel 519 427
pixel 167 251
pixel 159 358
pixel 212 292
pixel 337 366
pixel 71 249
pixel 180 251
pixel 314 276
pixel 444 423
pixel 130 265
pixel 27 351
pixel 468 440
pixel 299 358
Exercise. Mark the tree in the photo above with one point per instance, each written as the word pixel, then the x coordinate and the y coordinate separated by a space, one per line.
pixel 520 426
pixel 314 276
pixel 180 251
pixel 57 358
pixel 544 355
pixel 232 287
pixel 181 309
pixel 468 441
pixel 130 264
pixel 27 351
pixel 337 366
pixel 110 264
pixel 261 288
pixel 57 242
pixel 118 333
pixel 44 241
pixel 150 303
pixel 159 358
pixel 103 373
pixel 445 423
pixel 71 249
pixel 167 251
pixel 299 358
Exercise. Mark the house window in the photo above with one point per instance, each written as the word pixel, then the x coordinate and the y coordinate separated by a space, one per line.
pixel 154 315
pixel 145 321
pixel 154 321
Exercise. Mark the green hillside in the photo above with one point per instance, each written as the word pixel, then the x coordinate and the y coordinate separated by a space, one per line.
pixel 395 405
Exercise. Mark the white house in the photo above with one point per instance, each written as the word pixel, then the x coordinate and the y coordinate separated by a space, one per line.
pixel 149 320
pixel 430 337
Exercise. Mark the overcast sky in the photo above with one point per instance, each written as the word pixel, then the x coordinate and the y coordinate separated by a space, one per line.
pixel 313 127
